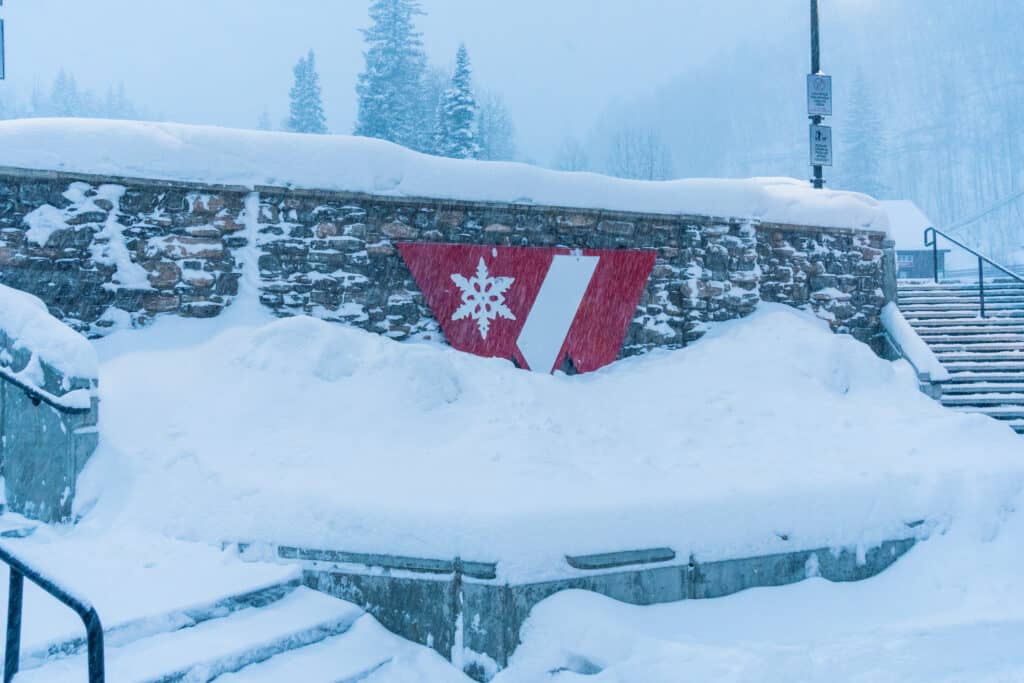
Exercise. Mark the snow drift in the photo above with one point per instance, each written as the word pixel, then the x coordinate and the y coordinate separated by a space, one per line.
pixel 211 155
pixel 769 435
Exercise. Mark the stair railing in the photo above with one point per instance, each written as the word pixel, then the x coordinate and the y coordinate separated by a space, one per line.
pixel 931 240
pixel 20 570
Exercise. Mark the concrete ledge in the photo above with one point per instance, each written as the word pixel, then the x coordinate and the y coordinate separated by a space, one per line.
pixel 464 612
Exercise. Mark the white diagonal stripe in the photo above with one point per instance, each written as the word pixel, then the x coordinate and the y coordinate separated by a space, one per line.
pixel 552 314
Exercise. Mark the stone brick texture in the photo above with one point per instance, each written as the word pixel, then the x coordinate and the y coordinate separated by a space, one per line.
pixel 333 255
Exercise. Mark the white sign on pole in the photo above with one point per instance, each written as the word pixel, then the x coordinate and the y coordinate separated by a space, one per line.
pixel 821 145
pixel 819 95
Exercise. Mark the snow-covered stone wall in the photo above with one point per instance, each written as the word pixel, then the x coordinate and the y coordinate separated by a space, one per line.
pixel 104 252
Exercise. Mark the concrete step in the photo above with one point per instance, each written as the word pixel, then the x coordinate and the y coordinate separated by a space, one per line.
pixel 202 653
pixel 1000 367
pixel 1003 285
pixel 1018 426
pixel 365 650
pixel 193 615
pixel 934 339
pixel 1005 413
pixel 985 399
pixel 996 324
pixel 983 346
pixel 965 315
pixel 994 377
pixel 904 300
pixel 972 388
pixel 966 306
pixel 947 357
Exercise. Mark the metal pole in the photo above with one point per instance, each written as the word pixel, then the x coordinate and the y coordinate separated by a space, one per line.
pixel 819 181
pixel 981 284
pixel 12 654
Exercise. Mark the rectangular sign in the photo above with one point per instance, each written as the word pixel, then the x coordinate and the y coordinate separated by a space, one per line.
pixel 821 145
pixel 819 95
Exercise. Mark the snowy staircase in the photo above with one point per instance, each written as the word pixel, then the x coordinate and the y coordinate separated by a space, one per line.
pixel 282 633
pixel 984 356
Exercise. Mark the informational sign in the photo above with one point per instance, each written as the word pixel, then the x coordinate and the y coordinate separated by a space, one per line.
pixel 540 307
pixel 821 145
pixel 819 95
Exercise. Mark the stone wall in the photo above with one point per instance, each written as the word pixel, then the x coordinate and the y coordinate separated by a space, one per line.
pixel 121 251
pixel 105 253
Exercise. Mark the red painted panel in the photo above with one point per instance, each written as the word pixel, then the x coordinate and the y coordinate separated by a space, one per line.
pixel 482 297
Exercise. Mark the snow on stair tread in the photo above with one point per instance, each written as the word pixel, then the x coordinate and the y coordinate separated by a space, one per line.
pixel 359 654
pixel 983 399
pixel 998 412
pixel 977 346
pixel 984 388
pixel 935 339
pixel 216 646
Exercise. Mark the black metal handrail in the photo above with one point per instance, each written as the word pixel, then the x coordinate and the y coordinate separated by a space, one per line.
pixel 15 597
pixel 931 240
pixel 38 395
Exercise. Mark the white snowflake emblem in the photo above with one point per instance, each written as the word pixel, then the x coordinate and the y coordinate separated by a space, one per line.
pixel 483 298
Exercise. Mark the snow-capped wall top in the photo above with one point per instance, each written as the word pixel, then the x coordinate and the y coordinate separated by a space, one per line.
pixel 206 154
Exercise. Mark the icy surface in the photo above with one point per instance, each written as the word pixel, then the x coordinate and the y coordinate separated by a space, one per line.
pixel 29 325
pixel 770 434
pixel 335 162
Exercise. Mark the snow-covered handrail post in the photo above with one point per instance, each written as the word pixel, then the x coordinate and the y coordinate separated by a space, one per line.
pixel 20 570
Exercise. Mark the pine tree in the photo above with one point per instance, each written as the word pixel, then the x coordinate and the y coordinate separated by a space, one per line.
pixel 864 143
pixel 307 109
pixel 263 122
pixel 391 89
pixel 494 128
pixel 456 137
pixel 64 97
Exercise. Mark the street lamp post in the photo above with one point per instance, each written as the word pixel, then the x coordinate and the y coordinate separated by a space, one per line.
pixel 816 120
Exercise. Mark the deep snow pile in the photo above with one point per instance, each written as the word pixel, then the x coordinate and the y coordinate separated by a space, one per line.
pixel 950 611
pixel 298 431
pixel 209 154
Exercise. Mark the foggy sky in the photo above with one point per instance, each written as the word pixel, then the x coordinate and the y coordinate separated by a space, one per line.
pixel 559 63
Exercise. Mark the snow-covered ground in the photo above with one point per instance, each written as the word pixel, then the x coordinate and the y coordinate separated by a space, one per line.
pixel 339 162
pixel 301 432
pixel 249 428
pixel 951 610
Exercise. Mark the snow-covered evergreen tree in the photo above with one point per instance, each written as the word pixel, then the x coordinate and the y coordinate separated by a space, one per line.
pixel 391 88
pixel 496 133
pixel 263 122
pixel 571 156
pixel 64 96
pixel 861 164
pixel 307 109
pixel 456 134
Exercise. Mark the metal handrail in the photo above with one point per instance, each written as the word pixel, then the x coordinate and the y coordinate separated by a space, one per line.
pixel 20 570
pixel 38 395
pixel 931 240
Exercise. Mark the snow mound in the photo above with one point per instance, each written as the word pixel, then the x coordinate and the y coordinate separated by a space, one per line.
pixel 771 434
pixel 207 154
pixel 27 324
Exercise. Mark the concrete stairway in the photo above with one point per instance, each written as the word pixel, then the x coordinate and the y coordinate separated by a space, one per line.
pixel 287 631
pixel 984 356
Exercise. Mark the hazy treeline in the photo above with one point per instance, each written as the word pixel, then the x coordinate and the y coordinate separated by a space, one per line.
pixel 929 106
